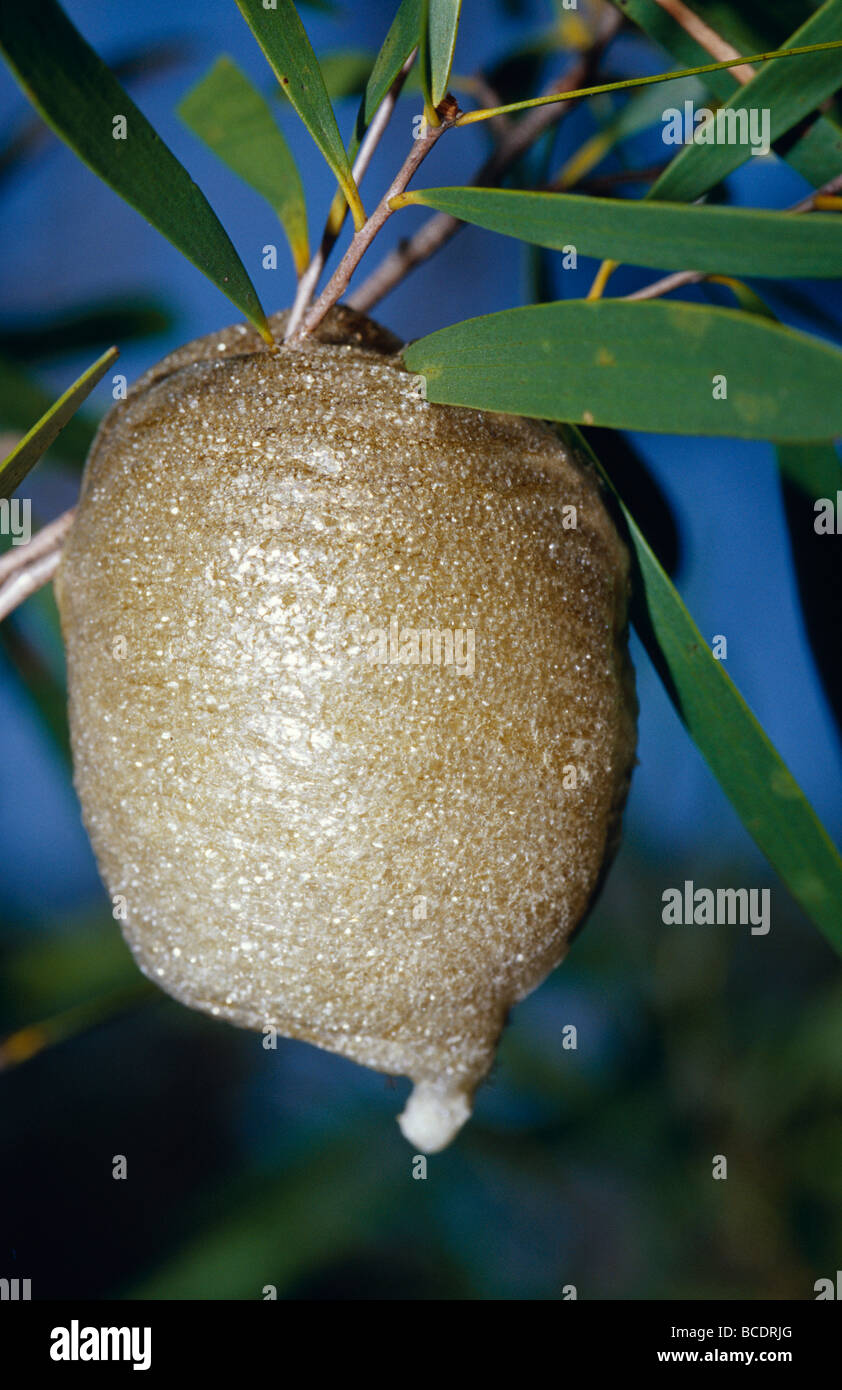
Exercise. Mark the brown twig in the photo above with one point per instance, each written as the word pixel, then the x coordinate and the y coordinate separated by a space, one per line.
pixel 707 38
pixel 338 283
pixel 310 279
pixel 25 569
pixel 439 228
pixel 601 183
pixel 807 204
pixel 668 283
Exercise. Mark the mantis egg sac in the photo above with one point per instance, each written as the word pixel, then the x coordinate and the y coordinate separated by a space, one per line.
pixel 352 714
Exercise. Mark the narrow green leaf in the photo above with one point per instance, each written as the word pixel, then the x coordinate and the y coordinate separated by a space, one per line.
pixel 84 103
pixel 24 457
pixel 142 64
pixel 733 241
pixel 648 365
pixel 400 41
pixel 762 790
pixel 438 41
pixel 632 476
pixel 345 72
pixel 231 116
pixel 284 41
pixel 786 96
pixel 23 399
pixel 812 467
pixel 816 155
pixel 402 38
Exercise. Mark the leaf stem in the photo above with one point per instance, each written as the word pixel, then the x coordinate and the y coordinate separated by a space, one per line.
pixel 603 275
pixel 471 117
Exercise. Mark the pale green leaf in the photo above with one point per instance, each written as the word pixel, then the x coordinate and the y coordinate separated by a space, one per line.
pixel 652 365
pixel 231 116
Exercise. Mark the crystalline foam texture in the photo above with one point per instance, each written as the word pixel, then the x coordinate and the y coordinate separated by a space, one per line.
pixel 312 825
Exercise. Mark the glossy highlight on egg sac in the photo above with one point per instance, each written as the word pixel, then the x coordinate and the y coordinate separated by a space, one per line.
pixel 351 709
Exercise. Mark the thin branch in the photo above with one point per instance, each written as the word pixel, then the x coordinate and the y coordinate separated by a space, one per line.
pixel 310 279
pixel 438 229
pixel 827 190
pixel 602 183
pixel 338 283
pixel 27 568
pixel 664 286
pixel 707 38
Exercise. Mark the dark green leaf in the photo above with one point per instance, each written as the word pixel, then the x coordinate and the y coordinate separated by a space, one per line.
pixel 24 457
pixel 231 116
pixel 78 330
pixel 733 241
pixel 443 22
pixel 762 790
pixel 402 38
pixel 284 41
pixel 646 366
pixel 85 104
pixel 150 61
pixel 632 477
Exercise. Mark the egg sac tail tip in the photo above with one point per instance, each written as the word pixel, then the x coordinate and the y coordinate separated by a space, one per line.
pixel 433 1116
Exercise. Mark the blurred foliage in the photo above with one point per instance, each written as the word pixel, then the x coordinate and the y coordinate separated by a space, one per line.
pixel 249 1167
